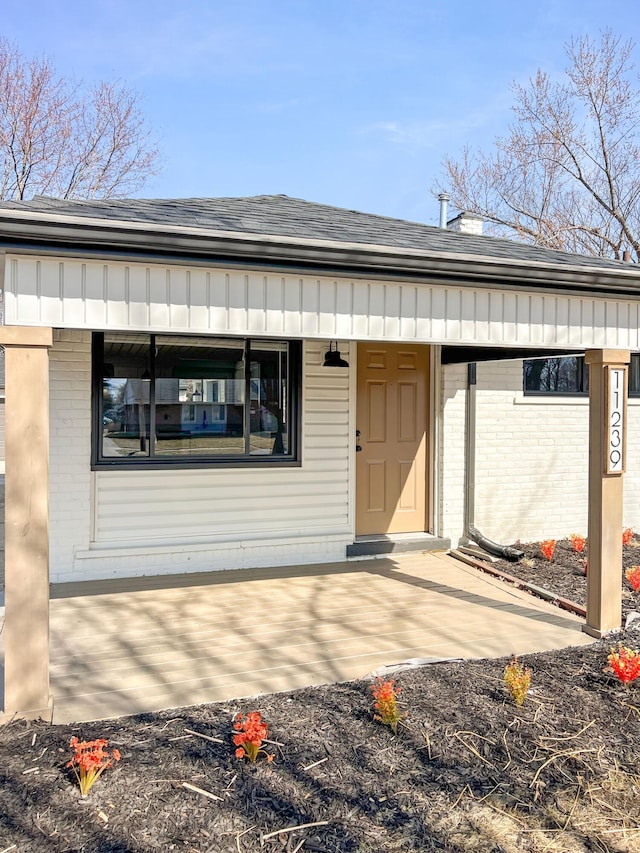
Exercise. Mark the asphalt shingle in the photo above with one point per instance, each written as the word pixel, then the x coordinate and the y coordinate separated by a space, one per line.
pixel 283 216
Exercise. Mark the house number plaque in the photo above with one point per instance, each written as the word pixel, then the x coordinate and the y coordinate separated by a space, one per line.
pixel 615 439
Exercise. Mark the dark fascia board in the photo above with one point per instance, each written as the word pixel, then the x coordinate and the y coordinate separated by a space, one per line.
pixel 53 233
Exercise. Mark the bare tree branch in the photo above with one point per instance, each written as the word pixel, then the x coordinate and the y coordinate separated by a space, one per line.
pixel 58 138
pixel 567 175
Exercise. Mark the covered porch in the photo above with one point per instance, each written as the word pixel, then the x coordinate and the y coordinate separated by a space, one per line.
pixel 91 650
pixel 128 646
pixel 272 271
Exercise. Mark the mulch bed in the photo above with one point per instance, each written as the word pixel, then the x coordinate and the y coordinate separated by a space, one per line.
pixel 565 575
pixel 467 771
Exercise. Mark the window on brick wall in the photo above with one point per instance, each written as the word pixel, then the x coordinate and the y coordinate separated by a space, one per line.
pixel 165 400
pixel 568 376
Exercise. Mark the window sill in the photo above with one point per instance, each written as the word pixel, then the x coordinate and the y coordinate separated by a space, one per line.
pixel 550 400
pixel 196 465
pixel 560 400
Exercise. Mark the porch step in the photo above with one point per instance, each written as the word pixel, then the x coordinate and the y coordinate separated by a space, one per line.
pixel 397 543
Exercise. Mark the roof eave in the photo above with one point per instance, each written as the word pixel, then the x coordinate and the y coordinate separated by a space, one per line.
pixel 65 232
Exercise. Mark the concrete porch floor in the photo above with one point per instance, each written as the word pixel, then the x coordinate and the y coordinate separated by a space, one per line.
pixel 123 647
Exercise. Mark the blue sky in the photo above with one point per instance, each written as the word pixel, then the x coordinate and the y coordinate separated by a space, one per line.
pixel 351 103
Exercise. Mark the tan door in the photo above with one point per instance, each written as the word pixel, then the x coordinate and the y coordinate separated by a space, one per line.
pixel 391 475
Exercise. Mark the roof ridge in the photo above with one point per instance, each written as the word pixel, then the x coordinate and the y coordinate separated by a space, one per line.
pixel 203 199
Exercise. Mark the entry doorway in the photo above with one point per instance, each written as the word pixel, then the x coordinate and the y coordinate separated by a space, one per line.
pixel 392 423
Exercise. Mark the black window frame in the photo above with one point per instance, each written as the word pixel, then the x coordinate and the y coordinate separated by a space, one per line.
pixel 581 378
pixel 291 459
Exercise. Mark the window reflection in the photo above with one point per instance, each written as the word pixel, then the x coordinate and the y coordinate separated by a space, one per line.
pixel 268 370
pixel 125 396
pixel 199 397
pixel 180 398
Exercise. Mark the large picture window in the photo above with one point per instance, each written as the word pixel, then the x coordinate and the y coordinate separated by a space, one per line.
pixel 161 399
pixel 569 375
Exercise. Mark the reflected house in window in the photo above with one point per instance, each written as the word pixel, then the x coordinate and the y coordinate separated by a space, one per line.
pixel 568 375
pixel 207 398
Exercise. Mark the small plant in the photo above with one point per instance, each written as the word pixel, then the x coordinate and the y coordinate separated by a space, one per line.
pixel 547 549
pixel 90 760
pixel 517 679
pixel 251 731
pixel 633 576
pixel 627 535
pixel 625 663
pixel 578 542
pixel 385 695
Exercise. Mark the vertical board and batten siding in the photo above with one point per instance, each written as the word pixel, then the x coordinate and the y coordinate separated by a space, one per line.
pixel 161 521
pixel 180 299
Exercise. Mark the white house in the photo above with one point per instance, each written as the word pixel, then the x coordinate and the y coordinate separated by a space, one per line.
pixel 199 418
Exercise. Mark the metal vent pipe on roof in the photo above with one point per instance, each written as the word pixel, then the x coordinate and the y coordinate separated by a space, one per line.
pixel 443 198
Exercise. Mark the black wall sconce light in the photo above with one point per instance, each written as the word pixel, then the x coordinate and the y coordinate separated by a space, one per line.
pixel 332 357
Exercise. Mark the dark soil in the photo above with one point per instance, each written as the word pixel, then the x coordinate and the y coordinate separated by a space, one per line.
pixel 467 771
pixel 565 573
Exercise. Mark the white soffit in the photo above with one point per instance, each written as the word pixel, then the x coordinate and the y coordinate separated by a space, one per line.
pixel 69 293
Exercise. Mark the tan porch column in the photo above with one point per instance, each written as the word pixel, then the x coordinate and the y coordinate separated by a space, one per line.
pixel 26 673
pixel 607 439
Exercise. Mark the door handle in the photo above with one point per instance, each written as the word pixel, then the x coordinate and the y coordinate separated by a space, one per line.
pixel 358 448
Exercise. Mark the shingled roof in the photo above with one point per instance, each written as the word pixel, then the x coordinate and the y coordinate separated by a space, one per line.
pixel 285 217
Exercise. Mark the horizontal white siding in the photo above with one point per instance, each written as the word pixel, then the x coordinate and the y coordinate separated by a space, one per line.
pixel 148 522
pixel 98 295
pixel 69 449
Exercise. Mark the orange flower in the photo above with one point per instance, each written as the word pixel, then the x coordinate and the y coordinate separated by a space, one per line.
pixel 252 731
pixel 547 548
pixel 578 542
pixel 633 576
pixel 625 663
pixel 90 760
pixel 627 535
pixel 385 694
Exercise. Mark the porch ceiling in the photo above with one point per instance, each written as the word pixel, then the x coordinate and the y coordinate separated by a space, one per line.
pixel 151 643
pixel 466 355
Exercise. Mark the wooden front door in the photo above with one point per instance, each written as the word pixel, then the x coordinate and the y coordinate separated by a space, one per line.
pixel 391 467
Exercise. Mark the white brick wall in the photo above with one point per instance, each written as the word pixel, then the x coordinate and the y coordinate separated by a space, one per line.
pixel 531 458
pixel 134 562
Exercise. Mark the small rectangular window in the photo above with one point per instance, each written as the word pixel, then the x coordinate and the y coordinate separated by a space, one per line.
pixel 165 399
pixel 634 375
pixel 569 376
pixel 558 375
